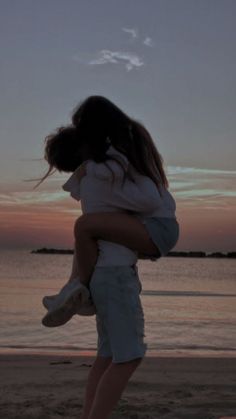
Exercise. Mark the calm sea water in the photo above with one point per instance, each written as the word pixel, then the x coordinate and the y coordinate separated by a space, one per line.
pixel 189 305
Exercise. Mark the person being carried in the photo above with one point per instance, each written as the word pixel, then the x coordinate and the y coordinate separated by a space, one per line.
pixel 96 195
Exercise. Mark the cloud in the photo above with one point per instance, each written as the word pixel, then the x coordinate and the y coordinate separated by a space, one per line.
pixel 134 35
pixel 27 198
pixel 148 42
pixel 190 186
pixel 208 186
pixel 130 60
pixel 195 170
pixel 133 32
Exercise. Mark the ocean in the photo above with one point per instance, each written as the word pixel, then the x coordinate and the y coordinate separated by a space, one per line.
pixel 189 306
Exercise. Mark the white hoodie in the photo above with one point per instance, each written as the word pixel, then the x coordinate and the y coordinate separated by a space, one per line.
pixel 97 194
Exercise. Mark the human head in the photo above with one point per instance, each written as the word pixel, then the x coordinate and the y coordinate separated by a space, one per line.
pixel 63 151
pixel 98 121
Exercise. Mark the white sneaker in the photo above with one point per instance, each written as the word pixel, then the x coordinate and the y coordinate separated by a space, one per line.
pixel 65 304
pixel 48 301
pixel 86 309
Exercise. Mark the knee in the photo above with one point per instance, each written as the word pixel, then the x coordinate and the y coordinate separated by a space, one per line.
pixel 134 362
pixel 137 361
pixel 103 362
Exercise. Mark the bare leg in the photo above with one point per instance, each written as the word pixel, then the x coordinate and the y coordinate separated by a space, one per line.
pixel 99 367
pixel 74 271
pixel 123 229
pixel 110 388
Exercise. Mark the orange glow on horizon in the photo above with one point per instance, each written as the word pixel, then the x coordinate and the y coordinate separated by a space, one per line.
pixel 200 228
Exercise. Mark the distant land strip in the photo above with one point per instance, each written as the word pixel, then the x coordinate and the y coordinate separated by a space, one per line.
pixel 48 251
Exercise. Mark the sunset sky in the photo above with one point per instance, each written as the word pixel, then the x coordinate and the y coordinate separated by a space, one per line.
pixel 169 63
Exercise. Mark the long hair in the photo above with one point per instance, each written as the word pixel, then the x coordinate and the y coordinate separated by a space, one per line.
pixel 99 120
pixel 61 151
pixel 64 151
pixel 97 123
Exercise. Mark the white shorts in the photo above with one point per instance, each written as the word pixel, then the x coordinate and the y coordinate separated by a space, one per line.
pixel 164 232
pixel 120 319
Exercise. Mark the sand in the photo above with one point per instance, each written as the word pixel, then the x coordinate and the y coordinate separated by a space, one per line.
pixel 52 386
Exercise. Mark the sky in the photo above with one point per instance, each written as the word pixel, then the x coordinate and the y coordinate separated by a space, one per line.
pixel 169 63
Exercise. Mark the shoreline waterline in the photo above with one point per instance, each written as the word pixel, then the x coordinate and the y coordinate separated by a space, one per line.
pixel 189 307
pixel 61 352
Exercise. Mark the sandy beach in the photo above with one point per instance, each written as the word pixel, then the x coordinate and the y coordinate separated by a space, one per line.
pixel 52 386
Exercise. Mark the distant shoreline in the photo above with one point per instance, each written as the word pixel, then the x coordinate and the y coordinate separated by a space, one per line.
pixel 199 254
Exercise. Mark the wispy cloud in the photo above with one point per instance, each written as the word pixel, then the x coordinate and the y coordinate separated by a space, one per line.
pixel 148 42
pixel 189 185
pixel 130 60
pixel 28 198
pixel 133 32
pixel 208 186
pixel 194 170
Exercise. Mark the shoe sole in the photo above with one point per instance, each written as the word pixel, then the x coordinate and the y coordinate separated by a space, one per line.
pixel 63 313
